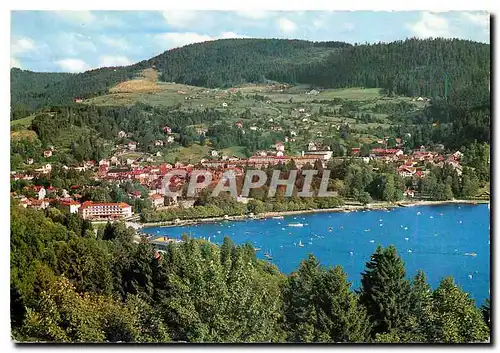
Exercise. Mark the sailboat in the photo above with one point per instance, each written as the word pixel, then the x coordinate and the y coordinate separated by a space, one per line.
pixel 268 255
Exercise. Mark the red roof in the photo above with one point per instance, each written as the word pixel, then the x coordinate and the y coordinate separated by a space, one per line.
pixel 88 204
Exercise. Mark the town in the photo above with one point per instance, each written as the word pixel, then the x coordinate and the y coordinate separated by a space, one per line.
pixel 412 167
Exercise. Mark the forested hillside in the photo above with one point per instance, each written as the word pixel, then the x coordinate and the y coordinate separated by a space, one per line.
pixel 73 283
pixel 412 67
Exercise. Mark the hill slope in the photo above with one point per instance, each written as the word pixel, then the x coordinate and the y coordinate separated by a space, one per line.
pixel 411 67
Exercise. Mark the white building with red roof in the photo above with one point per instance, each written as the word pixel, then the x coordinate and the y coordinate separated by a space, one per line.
pixel 104 210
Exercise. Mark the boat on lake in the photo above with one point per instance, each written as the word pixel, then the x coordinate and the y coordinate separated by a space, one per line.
pixel 295 225
pixel 473 254
pixel 278 217
pixel 300 244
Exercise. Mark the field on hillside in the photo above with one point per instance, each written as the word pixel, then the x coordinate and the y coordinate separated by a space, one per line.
pixel 22 123
pixel 313 115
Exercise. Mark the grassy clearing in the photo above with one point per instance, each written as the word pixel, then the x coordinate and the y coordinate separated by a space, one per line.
pixel 23 123
pixel 237 151
pixel 191 154
pixel 360 94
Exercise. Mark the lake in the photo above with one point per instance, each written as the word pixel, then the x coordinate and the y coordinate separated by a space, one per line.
pixel 442 240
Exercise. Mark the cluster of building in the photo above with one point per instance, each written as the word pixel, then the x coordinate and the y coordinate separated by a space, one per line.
pixel 416 163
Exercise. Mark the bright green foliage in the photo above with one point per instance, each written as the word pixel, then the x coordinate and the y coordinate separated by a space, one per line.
pixel 457 319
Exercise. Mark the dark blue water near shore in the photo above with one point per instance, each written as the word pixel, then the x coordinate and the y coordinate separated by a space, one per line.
pixel 441 240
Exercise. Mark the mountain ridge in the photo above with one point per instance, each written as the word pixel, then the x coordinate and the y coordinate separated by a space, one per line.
pixel 411 67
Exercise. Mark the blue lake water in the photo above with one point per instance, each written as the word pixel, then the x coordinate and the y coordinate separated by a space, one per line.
pixel 434 239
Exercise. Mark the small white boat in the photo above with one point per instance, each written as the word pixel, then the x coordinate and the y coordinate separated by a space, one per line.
pixel 470 276
pixel 367 230
pixel 351 253
pixel 406 228
pixel 418 213
pixel 431 217
pixel 409 250
pixel 300 244
pixel 372 241
pixel 278 217
pixel 295 225
pixel 473 254
pixel 407 239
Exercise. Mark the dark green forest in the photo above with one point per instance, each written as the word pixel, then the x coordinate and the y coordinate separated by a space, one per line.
pixel 73 283
pixel 412 67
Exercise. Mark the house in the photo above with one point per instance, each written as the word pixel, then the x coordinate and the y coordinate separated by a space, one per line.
pixel 135 194
pixel 319 154
pixel 387 152
pixel 214 153
pixel 170 139
pixel 201 131
pixel 355 151
pixel 132 145
pixel 406 172
pixel 279 154
pixel 122 134
pixel 44 169
pixel 114 161
pixel 420 99
pixel 409 193
pixel 422 148
pixel 293 133
pixel 89 164
pixel 158 154
pixel 224 105
pixel 279 146
pixel 301 110
pixel 157 200
pixel 104 162
pixel 239 125
pixel 40 191
pixel 167 130
pixel 69 205
pixel 456 166
pixel 78 100
pixel 38 204
pixel 457 155
pixel 253 128
pixel 313 92
pixel 159 143
pixel 29 161
pixel 47 153
pixel 312 146
pixel 104 211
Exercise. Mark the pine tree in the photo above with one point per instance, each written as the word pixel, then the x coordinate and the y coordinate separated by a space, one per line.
pixel 457 319
pixel 384 290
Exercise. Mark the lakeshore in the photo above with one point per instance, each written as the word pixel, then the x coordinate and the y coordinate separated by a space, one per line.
pixel 345 208
pixel 441 238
